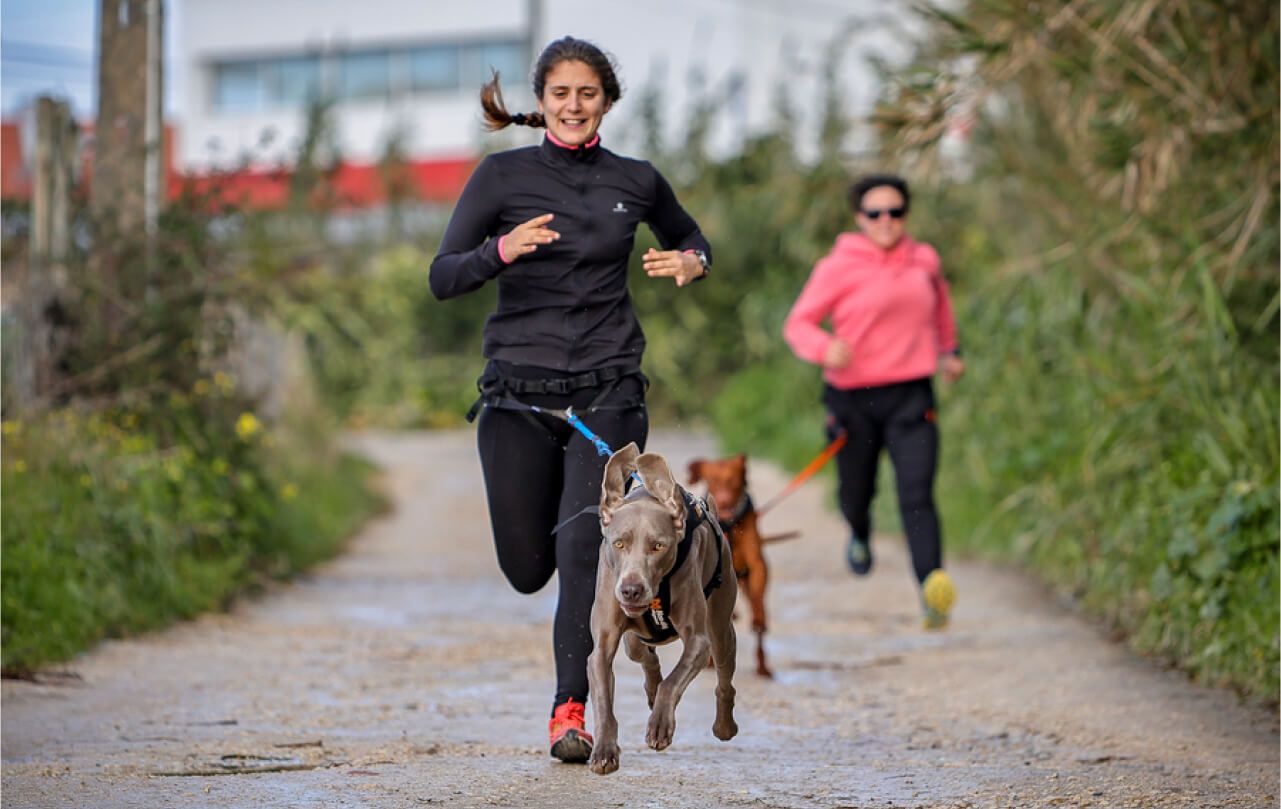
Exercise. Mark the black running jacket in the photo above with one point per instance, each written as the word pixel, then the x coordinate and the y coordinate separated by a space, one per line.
pixel 566 305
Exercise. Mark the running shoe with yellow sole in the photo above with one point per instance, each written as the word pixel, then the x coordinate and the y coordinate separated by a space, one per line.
pixel 938 595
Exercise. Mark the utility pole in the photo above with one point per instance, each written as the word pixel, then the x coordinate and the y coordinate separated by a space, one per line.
pixel 154 169
pixel 128 169
pixel 124 196
pixel 534 10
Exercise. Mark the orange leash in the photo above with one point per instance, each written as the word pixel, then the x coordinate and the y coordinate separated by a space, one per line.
pixel 806 473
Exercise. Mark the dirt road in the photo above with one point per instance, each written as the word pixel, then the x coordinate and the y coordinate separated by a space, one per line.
pixel 407 673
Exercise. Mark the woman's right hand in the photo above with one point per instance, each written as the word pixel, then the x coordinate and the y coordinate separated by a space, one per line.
pixel 837 355
pixel 525 238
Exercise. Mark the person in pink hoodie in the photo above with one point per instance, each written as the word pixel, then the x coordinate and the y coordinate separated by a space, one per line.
pixel 889 331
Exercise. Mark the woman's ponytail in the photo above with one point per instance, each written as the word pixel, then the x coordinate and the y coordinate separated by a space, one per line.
pixel 496 115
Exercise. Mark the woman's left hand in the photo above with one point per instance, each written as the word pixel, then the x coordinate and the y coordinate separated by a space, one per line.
pixel 953 368
pixel 684 267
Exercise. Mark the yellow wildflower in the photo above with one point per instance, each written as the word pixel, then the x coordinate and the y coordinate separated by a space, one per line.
pixel 225 382
pixel 219 466
pixel 288 492
pixel 20 466
pixel 9 427
pixel 201 388
pixel 247 426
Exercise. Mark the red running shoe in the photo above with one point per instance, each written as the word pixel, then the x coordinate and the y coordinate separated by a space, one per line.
pixel 571 743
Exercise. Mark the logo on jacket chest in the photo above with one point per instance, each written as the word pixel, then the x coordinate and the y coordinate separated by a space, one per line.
pixel 619 208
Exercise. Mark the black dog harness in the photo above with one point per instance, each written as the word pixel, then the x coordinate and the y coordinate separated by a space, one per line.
pixel 656 621
pixel 745 506
pixel 655 617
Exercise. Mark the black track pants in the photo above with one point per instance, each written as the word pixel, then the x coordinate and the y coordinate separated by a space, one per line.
pixel 538 471
pixel 901 418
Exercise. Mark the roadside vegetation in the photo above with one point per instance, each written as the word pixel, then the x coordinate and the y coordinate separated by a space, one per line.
pixel 167 464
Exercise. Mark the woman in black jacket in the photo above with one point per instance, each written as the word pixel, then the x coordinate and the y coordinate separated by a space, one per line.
pixel 554 225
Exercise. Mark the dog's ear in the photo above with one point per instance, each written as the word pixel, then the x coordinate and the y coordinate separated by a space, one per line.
pixel 660 483
pixel 614 485
pixel 695 472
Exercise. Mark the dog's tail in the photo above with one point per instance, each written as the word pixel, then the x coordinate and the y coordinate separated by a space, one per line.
pixel 780 537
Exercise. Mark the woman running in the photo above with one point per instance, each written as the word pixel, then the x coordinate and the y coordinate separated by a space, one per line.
pixel 554 225
pixel 891 330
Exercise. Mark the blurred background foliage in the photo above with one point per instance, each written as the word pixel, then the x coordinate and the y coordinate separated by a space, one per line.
pixel 1101 182
pixel 1114 236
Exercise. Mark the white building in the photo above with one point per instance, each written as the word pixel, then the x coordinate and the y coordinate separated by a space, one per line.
pixel 397 68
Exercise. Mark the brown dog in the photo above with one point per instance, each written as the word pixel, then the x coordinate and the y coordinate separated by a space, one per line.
pixel 664 574
pixel 727 483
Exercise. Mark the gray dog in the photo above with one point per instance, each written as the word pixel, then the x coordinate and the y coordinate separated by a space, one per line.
pixel 665 572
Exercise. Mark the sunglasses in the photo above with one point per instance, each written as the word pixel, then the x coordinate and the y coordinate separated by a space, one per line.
pixel 895 213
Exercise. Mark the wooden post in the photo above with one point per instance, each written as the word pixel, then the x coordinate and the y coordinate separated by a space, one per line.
pixel 35 341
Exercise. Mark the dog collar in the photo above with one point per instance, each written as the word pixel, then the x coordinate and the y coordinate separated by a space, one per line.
pixel 741 510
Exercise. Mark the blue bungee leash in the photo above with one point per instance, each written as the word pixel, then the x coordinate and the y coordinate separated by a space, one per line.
pixel 601 447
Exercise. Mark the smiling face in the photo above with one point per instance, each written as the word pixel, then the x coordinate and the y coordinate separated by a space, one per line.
pixel 573 102
pixel 884 231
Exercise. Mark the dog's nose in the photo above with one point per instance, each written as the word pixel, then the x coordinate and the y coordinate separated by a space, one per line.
pixel 630 592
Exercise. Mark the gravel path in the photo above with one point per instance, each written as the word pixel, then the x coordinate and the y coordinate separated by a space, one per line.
pixel 407 673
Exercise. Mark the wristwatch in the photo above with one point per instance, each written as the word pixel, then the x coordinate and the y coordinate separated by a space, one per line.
pixel 702 259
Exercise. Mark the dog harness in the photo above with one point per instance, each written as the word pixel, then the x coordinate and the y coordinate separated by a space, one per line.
pixel 744 507
pixel 656 621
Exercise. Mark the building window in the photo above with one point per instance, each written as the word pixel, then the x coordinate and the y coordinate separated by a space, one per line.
pixel 295 82
pixel 364 75
pixel 237 87
pixel 433 68
pixel 291 82
pixel 507 57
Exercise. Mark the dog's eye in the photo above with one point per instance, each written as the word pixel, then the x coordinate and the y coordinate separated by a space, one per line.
pixel 618 543
pixel 658 546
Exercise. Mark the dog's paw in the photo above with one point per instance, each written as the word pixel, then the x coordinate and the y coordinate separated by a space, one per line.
pixel 662 726
pixel 604 759
pixel 725 729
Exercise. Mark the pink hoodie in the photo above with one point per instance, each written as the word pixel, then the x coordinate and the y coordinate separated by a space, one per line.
pixel 891 307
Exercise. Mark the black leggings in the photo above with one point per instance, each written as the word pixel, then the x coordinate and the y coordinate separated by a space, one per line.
pixel 901 418
pixel 538 471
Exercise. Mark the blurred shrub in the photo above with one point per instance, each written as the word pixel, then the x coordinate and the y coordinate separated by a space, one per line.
pixel 1113 221
pixel 150 480
pixel 107 531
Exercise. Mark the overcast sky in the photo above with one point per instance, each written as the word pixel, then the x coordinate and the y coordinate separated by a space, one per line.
pixel 49 46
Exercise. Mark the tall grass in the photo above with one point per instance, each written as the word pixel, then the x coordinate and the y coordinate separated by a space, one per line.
pixel 1117 253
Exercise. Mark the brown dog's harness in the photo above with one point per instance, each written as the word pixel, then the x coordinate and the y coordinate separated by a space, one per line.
pixel 656 621
pixel 745 506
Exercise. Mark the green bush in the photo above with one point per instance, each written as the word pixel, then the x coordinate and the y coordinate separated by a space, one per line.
pixel 107 531
pixel 1118 428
